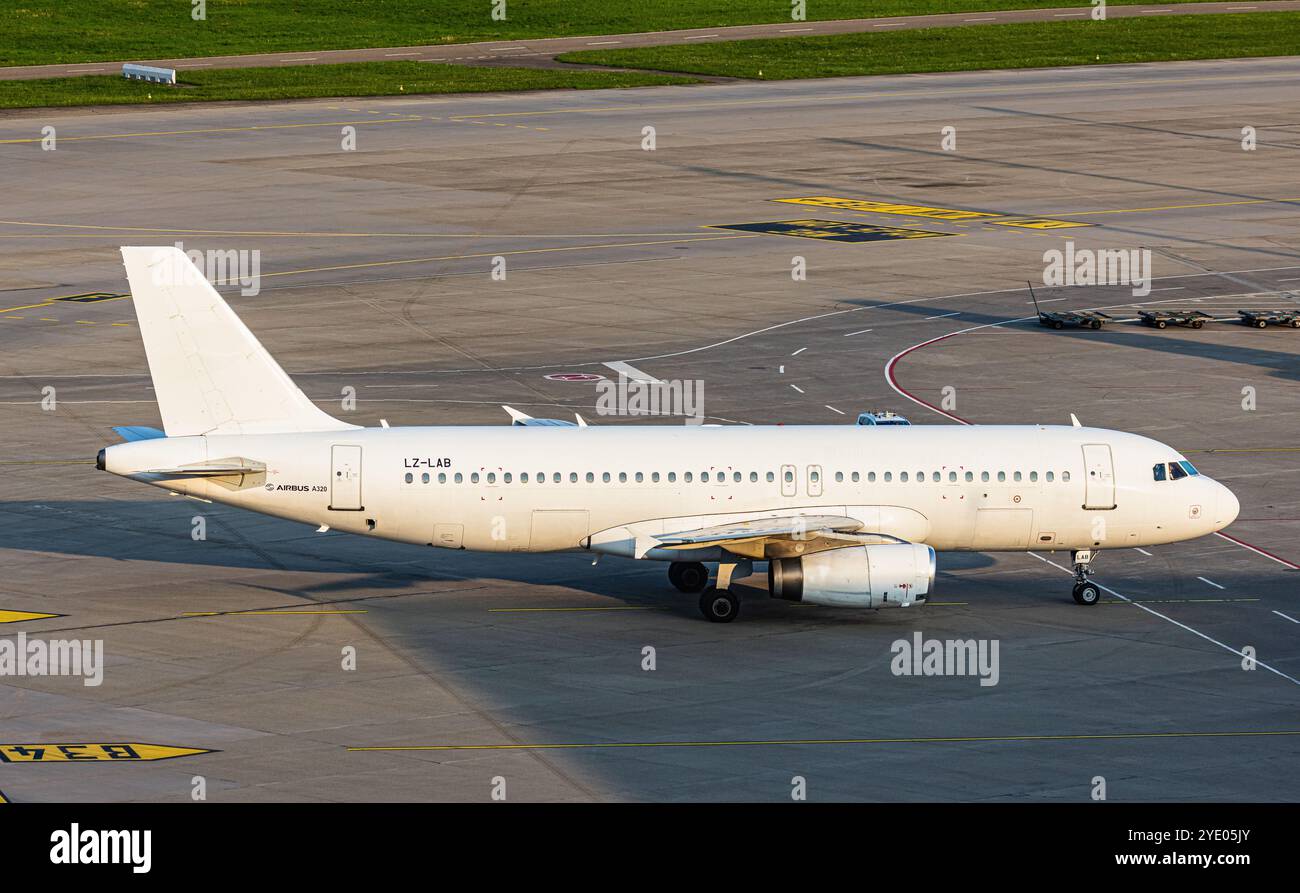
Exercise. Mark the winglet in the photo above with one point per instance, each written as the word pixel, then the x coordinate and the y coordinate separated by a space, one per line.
pixel 1074 420
pixel 517 417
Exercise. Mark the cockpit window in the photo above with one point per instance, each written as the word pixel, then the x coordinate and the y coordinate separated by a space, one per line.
pixel 1158 471
pixel 1176 471
pixel 1188 467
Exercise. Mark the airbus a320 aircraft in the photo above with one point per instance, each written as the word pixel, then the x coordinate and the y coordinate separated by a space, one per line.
pixel 845 515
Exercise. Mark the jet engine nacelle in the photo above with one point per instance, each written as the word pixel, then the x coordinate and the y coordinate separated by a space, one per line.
pixel 884 576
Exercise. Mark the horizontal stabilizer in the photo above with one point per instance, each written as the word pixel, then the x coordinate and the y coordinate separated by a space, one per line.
pixel 132 433
pixel 216 468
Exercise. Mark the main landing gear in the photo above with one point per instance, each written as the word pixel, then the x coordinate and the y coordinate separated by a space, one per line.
pixel 688 576
pixel 718 603
pixel 1085 593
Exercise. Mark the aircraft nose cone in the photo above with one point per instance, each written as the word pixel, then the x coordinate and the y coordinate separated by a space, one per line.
pixel 1228 506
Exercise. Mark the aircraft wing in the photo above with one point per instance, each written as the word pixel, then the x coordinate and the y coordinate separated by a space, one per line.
pixel 776 537
pixel 522 419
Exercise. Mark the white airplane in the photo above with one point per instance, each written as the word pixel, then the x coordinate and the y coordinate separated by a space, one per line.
pixel 843 515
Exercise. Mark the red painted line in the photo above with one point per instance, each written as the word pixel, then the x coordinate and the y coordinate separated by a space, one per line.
pixel 1264 552
pixel 893 382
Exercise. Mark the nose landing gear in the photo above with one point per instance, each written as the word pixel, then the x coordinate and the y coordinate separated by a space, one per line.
pixel 1085 593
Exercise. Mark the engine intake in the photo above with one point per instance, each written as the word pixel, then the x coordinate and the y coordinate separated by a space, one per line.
pixel 882 576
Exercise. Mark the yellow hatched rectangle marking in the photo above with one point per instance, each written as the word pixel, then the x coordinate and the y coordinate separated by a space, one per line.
pixel 1040 223
pixel 853 204
pixel 107 753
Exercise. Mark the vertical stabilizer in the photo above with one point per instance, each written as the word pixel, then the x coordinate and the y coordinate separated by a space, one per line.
pixel 210 374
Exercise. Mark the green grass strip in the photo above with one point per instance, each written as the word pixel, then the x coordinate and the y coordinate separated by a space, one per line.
pixel 1035 45
pixel 308 81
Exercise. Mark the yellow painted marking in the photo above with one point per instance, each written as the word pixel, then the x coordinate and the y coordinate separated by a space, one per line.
pixel 545 610
pixel 146 133
pixel 851 204
pixel 119 324
pixel 1258 201
pixel 1039 223
pixel 3 799
pixel 20 616
pixel 796 742
pixel 63 299
pixel 16 317
pixel 47 462
pixel 304 233
pixel 109 753
pixel 1247 450
pixel 262 613
pixel 84 322
pixel 421 260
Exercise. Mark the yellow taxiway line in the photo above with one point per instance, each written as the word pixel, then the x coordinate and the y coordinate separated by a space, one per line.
pixel 802 742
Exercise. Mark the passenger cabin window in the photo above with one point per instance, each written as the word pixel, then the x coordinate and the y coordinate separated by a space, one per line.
pixel 424 478
pixel 770 477
pixel 856 477
pixel 409 477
